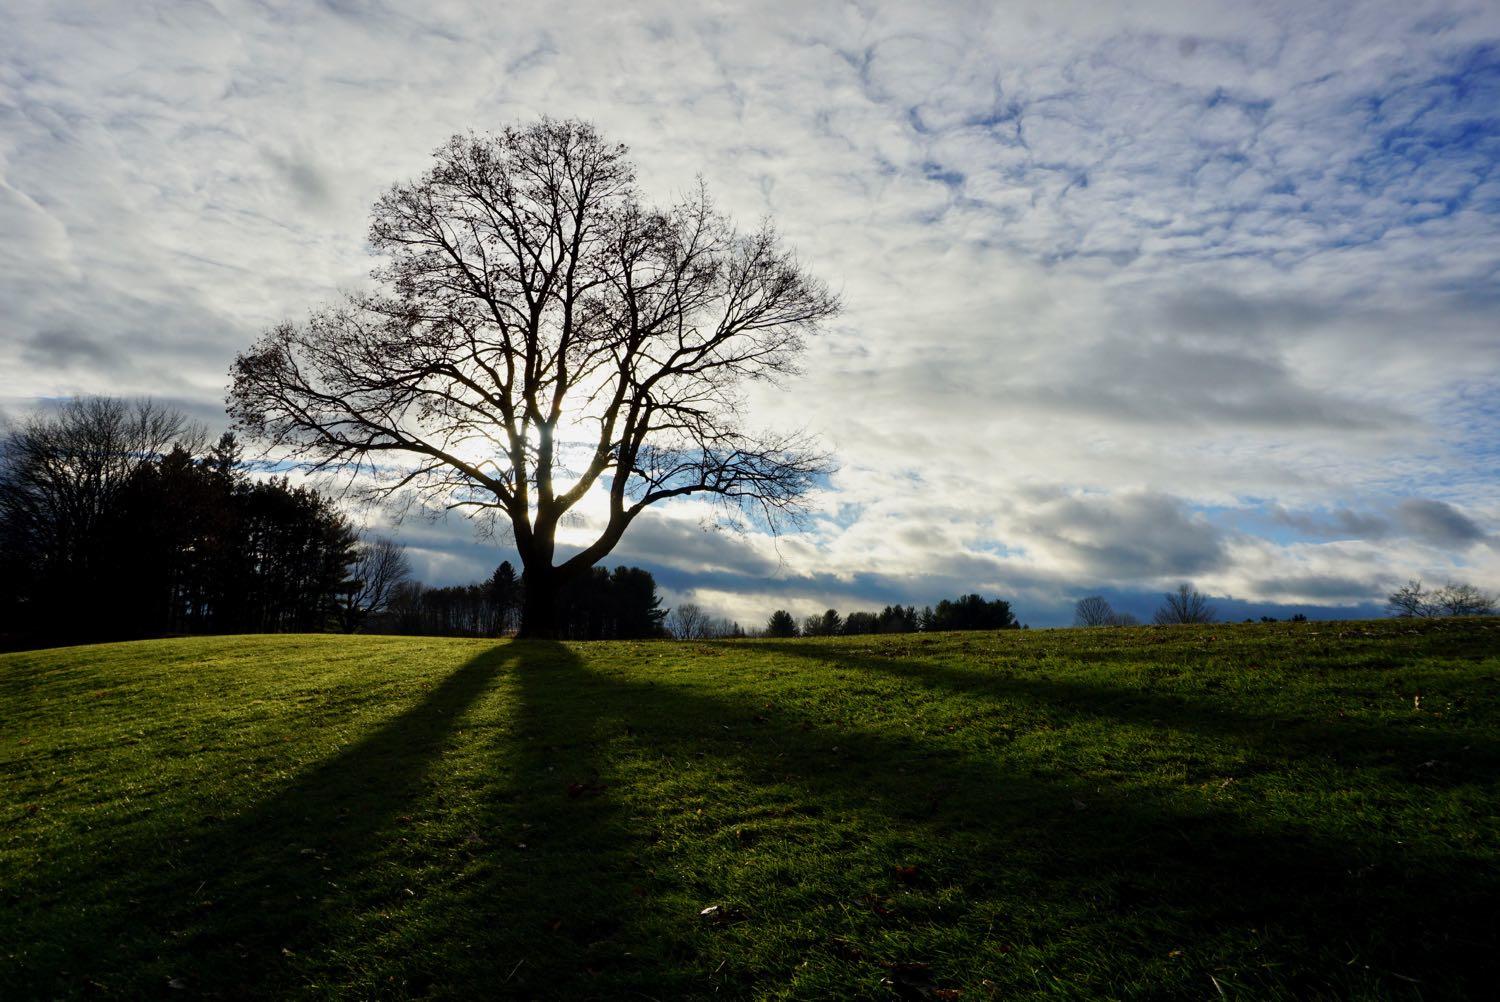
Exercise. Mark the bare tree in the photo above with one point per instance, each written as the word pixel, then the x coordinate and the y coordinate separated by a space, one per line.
pixel 62 470
pixel 380 567
pixel 1465 600
pixel 688 621
pixel 1093 610
pixel 1414 600
pixel 1122 619
pixel 538 330
pixel 1185 605
pixel 724 627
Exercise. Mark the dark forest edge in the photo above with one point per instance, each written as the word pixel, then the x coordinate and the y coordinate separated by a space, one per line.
pixel 119 520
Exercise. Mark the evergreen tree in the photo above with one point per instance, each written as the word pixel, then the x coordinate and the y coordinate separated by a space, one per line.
pixel 505 592
pixel 971 612
pixel 781 624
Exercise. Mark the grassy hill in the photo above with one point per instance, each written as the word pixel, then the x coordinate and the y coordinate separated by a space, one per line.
pixel 1240 811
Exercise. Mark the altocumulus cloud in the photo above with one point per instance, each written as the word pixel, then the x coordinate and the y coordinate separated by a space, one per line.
pixel 1185 291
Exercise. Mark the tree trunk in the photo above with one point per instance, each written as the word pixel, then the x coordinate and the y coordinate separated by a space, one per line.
pixel 538 605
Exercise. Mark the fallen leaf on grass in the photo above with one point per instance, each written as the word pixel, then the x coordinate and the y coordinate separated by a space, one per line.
pixel 720 914
pixel 907 874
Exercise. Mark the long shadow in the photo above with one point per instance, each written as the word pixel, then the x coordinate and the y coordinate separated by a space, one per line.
pixel 545 897
pixel 1464 756
pixel 233 902
pixel 573 889
pixel 571 907
pixel 607 906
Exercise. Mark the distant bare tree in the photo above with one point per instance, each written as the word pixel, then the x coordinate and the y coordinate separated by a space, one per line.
pixel 688 621
pixel 1092 611
pixel 1465 600
pixel 539 330
pixel 63 470
pixel 1185 605
pixel 1122 619
pixel 1413 600
pixel 380 567
pixel 720 627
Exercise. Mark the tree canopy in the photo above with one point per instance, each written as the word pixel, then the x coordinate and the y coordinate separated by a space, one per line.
pixel 536 330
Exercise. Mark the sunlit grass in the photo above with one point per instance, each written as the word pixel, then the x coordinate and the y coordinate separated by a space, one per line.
pixel 1258 811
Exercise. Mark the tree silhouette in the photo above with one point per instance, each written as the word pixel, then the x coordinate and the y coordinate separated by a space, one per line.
pixel 829 624
pixel 505 590
pixel 115 522
pixel 63 474
pixel 972 612
pixel 688 621
pixel 1465 600
pixel 781 624
pixel 1414 600
pixel 1185 605
pixel 1094 610
pixel 379 566
pixel 538 330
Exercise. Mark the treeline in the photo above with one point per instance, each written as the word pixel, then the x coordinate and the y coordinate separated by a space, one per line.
pixel 618 604
pixel 116 521
pixel 968 612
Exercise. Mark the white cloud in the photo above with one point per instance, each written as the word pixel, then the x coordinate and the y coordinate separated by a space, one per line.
pixel 1142 271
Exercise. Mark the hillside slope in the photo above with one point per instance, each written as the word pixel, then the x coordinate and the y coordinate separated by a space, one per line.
pixel 1254 811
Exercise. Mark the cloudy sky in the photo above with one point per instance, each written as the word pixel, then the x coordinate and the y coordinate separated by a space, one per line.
pixel 1135 293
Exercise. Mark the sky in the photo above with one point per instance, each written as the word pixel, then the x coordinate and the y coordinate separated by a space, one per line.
pixel 1135 294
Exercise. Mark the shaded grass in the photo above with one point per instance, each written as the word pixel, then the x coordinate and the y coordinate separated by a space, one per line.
pixel 1258 811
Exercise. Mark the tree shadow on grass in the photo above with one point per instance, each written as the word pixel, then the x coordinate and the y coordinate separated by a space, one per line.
pixel 1265 902
pixel 229 907
pixel 572 910
pixel 385 870
pixel 578 868
pixel 1464 756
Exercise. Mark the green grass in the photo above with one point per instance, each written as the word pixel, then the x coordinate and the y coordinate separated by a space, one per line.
pixel 1235 811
